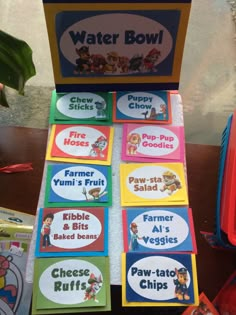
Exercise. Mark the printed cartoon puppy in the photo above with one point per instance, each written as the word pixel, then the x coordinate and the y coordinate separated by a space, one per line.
pixel 95 284
pixel 171 183
pixel 133 141
pixel 181 289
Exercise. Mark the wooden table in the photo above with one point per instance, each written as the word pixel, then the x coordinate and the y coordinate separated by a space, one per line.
pixel 20 191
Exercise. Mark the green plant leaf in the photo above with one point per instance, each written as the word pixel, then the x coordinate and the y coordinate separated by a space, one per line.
pixel 3 99
pixel 16 63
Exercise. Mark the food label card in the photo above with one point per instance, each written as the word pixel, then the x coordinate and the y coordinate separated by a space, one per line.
pixel 159 280
pixel 64 285
pixel 152 143
pixel 72 232
pixel 78 185
pixel 83 108
pixel 205 307
pixel 81 144
pixel 153 184
pixel 159 230
pixel 145 107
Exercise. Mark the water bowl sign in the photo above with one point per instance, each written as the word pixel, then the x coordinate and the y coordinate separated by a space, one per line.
pixel 117 43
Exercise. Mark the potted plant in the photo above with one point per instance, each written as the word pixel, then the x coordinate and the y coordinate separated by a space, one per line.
pixel 16 65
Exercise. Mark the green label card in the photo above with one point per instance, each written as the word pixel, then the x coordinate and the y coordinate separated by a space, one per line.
pixel 69 284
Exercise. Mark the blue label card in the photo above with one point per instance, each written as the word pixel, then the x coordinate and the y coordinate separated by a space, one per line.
pixel 72 232
pixel 159 230
pixel 146 107
pixel 78 185
pixel 159 279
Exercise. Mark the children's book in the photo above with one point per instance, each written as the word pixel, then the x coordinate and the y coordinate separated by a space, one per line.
pixel 73 185
pixel 153 184
pixel 158 230
pixel 81 108
pixel 15 234
pixel 72 232
pixel 159 279
pixel 71 285
pixel 81 144
pixel 205 307
pixel 145 107
pixel 153 143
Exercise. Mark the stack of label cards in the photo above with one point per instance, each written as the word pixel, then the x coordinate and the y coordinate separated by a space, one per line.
pixel 159 279
pixel 81 108
pixel 72 185
pixel 153 184
pixel 71 285
pixel 81 144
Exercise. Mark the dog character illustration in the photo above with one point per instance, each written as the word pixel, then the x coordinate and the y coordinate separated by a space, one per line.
pixel 10 294
pixel 136 63
pixel 111 62
pixel 98 146
pixel 150 61
pixel 98 63
pixel 83 64
pixel 133 141
pixel 100 107
pixel 91 291
pixel 134 245
pixel 181 289
pixel 123 64
pixel 163 111
pixel 171 183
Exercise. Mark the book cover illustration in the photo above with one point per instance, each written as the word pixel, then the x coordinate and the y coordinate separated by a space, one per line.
pixel 152 143
pixel 159 279
pixel 158 230
pixel 81 144
pixel 144 107
pixel 73 185
pixel 15 234
pixel 153 184
pixel 72 232
pixel 81 108
pixel 71 285
pixel 205 307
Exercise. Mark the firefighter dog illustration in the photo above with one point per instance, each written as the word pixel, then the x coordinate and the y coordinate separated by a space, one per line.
pixel 133 141
pixel 171 183
pixel 181 289
pixel 98 146
pixel 95 284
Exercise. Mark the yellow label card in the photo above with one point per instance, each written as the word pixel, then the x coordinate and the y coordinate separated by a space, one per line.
pixel 153 184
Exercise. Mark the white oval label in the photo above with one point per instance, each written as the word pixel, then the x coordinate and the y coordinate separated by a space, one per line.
pixel 155 141
pixel 149 182
pixel 118 35
pixel 82 229
pixel 157 229
pixel 77 140
pixel 81 105
pixel 76 183
pixel 140 105
pixel 65 282
pixel 153 277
